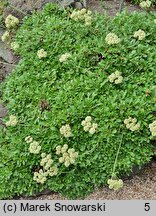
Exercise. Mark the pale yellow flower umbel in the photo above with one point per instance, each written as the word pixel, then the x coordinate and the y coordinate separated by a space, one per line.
pixel 145 4
pixel 53 171
pixel 34 147
pixel 82 14
pixel 48 164
pixel 115 77
pixel 112 38
pixel 64 148
pixel 88 18
pixel 140 34
pixel 5 36
pixel 12 121
pixel 58 150
pixel 41 53
pixel 46 161
pixel 152 127
pixel 78 15
pixel 14 46
pixel 115 184
pixel 131 124
pixel 11 21
pixel 40 177
pixel 88 126
pixel 49 169
pixel 65 130
pixel 68 155
pixel 154 21
pixel 28 139
pixel 63 58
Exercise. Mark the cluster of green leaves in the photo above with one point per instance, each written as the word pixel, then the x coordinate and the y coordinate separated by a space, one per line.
pixel 1 12
pixel 3 4
pixel 74 90
pixel 1 7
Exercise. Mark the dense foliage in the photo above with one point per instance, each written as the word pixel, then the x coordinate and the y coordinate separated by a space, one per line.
pixel 46 92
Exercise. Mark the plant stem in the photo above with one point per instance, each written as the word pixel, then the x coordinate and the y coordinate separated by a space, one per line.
pixel 102 4
pixel 132 73
pixel 61 4
pixel 91 150
pixel 121 6
pixel 117 154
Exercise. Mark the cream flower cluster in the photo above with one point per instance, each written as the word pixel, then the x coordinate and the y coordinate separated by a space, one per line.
pixel 41 53
pixel 5 36
pixel 40 177
pixel 11 21
pixel 34 147
pixel 131 124
pixel 115 184
pixel 14 46
pixel 47 163
pixel 116 77
pixel 53 171
pixel 112 38
pixel 64 57
pixel 154 21
pixel 12 121
pixel 145 4
pixel 140 34
pixel 82 14
pixel 88 125
pixel 48 169
pixel 68 155
pixel 152 127
pixel 28 139
pixel 61 150
pixel 65 130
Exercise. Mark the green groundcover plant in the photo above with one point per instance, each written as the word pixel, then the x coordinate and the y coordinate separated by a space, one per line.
pixel 81 102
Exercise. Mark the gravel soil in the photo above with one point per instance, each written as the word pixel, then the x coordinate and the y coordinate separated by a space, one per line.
pixel 111 7
pixel 140 186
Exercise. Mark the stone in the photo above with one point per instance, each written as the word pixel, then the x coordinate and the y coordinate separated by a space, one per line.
pixel 66 3
pixel 5 70
pixel 3 111
pixel 78 5
pixel 24 7
pixel 6 54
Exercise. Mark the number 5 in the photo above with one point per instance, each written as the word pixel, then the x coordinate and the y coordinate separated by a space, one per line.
pixel 147 207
